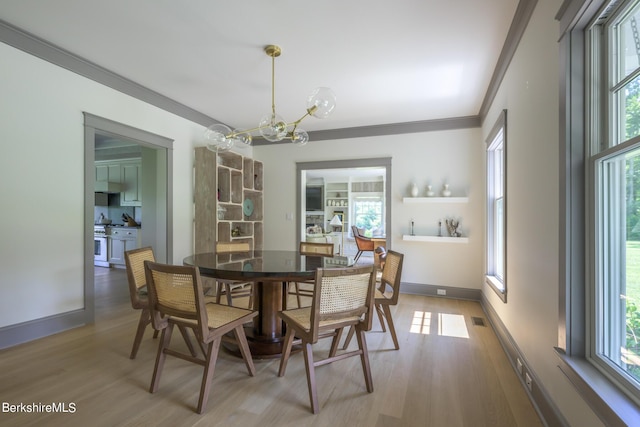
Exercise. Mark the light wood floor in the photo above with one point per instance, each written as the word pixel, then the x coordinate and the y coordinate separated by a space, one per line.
pixel 448 372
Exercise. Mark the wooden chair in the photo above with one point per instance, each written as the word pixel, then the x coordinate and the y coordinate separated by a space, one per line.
pixel 176 297
pixel 232 288
pixel 386 295
pixel 363 243
pixel 343 297
pixel 134 262
pixel 309 248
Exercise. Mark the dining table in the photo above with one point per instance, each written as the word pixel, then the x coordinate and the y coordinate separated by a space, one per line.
pixel 270 271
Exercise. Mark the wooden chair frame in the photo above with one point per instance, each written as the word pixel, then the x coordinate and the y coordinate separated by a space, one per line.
pixel 176 297
pixel 309 248
pixel 312 323
pixel 134 263
pixel 233 288
pixel 363 243
pixel 386 295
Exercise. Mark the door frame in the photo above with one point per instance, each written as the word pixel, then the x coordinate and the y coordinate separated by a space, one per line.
pixel 380 162
pixel 98 125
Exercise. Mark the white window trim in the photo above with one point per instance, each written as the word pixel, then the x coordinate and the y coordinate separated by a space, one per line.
pixel 499 285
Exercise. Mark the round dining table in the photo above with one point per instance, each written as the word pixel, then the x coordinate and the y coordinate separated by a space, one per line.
pixel 270 271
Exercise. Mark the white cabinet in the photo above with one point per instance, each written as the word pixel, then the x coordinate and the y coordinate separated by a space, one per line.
pixel 131 181
pixel 120 240
pixel 125 172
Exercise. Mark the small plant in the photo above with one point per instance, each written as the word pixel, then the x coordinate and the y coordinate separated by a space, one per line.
pixel 633 335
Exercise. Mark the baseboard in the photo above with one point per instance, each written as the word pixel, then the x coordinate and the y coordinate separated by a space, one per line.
pixel 544 405
pixel 39 328
pixel 432 291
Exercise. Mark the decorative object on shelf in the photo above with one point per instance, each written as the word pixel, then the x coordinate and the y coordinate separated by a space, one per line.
pixel 430 192
pixel 412 233
pixel 445 190
pixel 247 207
pixel 221 212
pixel 439 228
pixel 414 190
pixel 336 222
pixel 235 232
pixel 452 227
pixel 272 127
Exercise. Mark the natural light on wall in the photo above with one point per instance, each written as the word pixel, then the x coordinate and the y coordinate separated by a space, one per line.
pixel 450 325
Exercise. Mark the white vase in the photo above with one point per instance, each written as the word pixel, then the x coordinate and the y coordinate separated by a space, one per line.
pixel 430 192
pixel 445 191
pixel 414 190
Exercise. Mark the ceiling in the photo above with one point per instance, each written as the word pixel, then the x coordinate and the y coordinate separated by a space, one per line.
pixel 387 62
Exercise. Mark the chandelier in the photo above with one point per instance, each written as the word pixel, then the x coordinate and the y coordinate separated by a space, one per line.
pixel 272 127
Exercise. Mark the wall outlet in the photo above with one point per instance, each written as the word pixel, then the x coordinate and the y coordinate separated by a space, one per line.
pixel 519 366
pixel 441 291
pixel 527 380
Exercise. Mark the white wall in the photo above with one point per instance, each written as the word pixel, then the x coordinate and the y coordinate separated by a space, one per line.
pixel 42 175
pixel 430 157
pixel 530 92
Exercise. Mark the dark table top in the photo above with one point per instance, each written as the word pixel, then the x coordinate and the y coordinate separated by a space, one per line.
pixel 265 265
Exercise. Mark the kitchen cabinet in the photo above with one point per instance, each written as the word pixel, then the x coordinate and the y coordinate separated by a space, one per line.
pixel 126 172
pixel 131 173
pixel 120 240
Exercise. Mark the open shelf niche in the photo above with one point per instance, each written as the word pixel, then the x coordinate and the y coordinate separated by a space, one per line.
pixel 223 184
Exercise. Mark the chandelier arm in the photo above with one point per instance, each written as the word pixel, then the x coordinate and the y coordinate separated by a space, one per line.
pixel 273 85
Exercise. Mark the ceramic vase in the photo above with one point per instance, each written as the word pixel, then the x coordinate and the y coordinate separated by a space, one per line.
pixel 414 190
pixel 445 191
pixel 430 192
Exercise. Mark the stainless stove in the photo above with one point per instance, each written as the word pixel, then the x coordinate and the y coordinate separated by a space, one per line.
pixel 100 250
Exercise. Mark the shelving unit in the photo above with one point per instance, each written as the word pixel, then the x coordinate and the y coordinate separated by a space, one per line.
pixel 437 239
pixel 422 200
pixel 435 201
pixel 228 197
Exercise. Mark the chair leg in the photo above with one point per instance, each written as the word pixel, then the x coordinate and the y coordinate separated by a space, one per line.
pixel 381 317
pixel 227 289
pixel 335 342
pixel 286 350
pixel 241 339
pixel 392 329
pixel 218 292
pixel 297 285
pixel 348 339
pixel 357 256
pixel 364 358
pixel 311 376
pixel 165 339
pixel 251 297
pixel 187 340
pixel 209 368
pixel 145 319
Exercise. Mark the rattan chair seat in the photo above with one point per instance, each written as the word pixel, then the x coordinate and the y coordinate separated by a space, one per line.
pixel 302 318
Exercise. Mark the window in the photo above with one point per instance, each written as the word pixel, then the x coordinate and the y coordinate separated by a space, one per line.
pixel 367 213
pixel 613 186
pixel 496 208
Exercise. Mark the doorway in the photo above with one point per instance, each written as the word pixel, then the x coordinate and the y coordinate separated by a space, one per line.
pixel 156 157
pixel 350 172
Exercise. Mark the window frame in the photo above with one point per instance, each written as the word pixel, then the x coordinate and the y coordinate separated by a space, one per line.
pixel 495 281
pixel 374 196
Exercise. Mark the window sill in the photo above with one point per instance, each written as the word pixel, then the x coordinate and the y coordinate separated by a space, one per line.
pixel 611 405
pixel 497 286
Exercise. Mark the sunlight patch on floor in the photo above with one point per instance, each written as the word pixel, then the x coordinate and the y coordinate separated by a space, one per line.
pixel 450 325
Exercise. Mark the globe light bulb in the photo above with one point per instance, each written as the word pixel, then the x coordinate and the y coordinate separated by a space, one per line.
pixel 216 138
pixel 242 137
pixel 300 137
pixel 324 101
pixel 273 127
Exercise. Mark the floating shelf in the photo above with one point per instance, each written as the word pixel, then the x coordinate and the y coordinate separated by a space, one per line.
pixel 438 239
pixel 435 200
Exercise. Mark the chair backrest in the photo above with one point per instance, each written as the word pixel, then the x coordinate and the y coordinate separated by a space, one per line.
pixel 391 274
pixel 223 247
pixel 176 290
pixel 355 231
pixel 314 248
pixel 134 262
pixel 342 294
